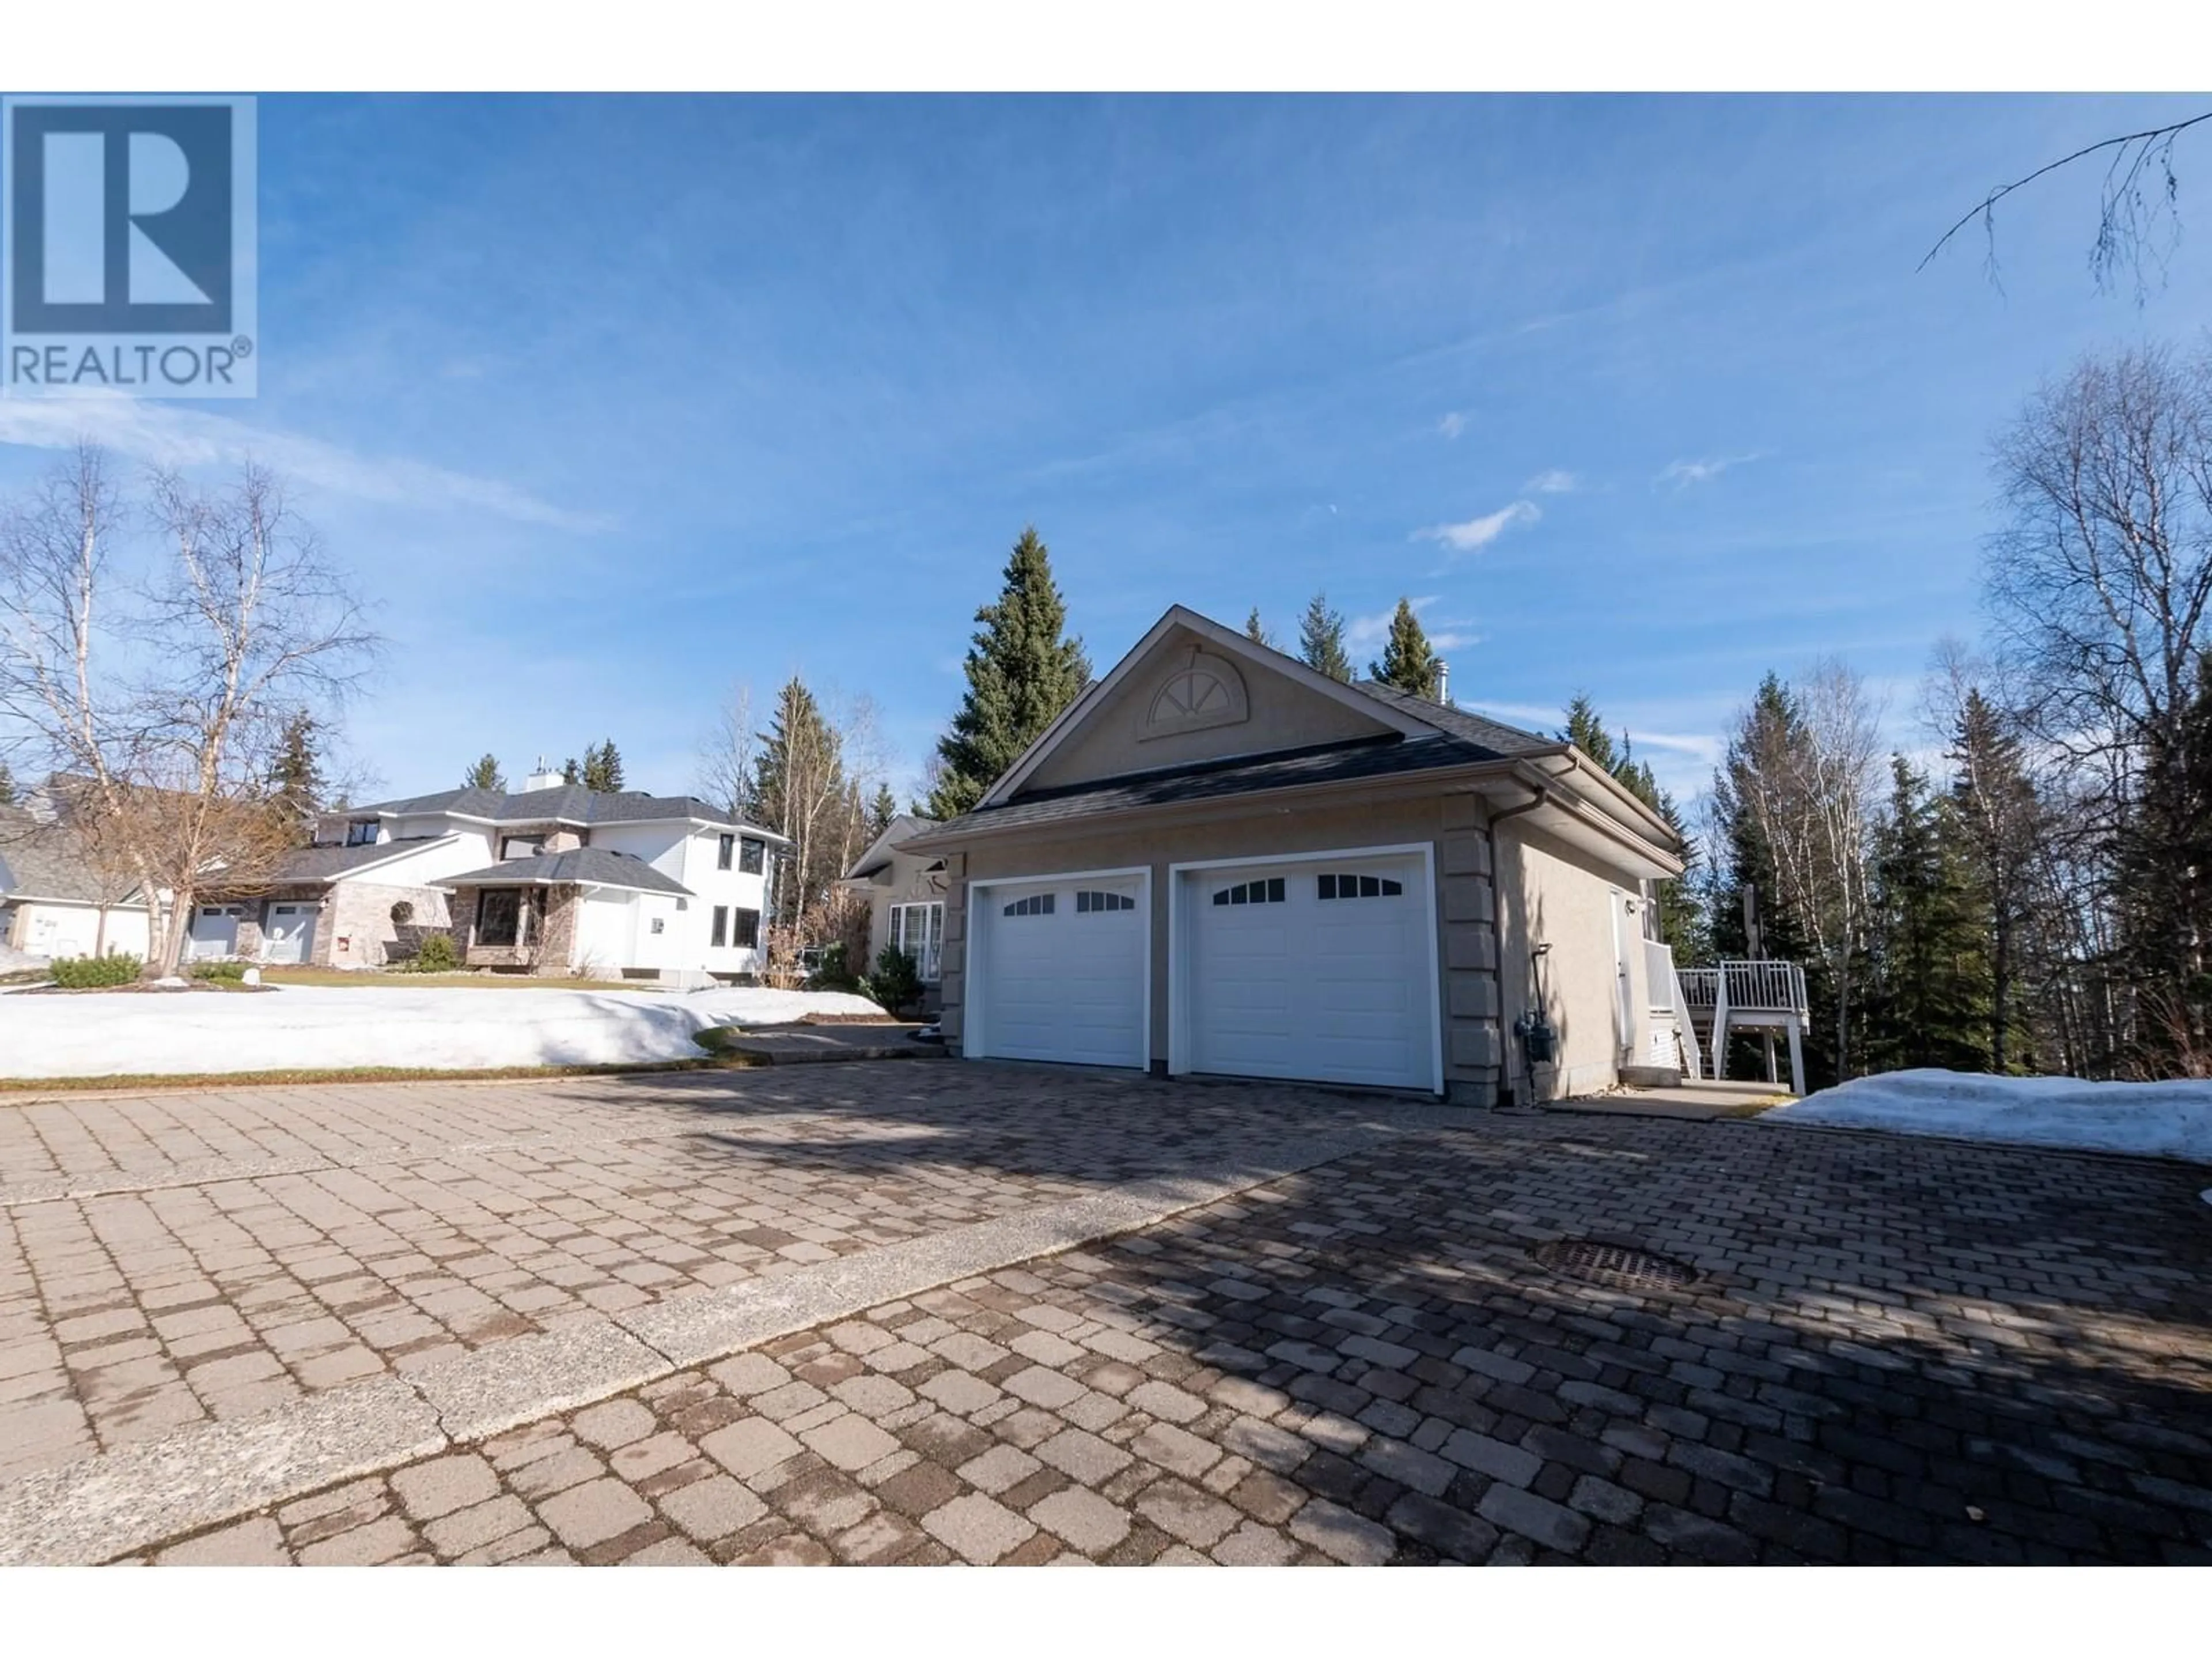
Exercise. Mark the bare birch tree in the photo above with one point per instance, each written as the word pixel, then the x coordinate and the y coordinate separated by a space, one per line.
pixel 163 685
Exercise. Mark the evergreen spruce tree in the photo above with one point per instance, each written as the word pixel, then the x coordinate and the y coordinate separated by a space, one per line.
pixel 1408 661
pixel 1321 639
pixel 570 772
pixel 602 769
pixel 1022 672
pixel 1994 802
pixel 1586 730
pixel 7 786
pixel 296 780
pixel 1681 917
pixel 1255 630
pixel 1930 1001
pixel 881 811
pixel 800 791
pixel 485 775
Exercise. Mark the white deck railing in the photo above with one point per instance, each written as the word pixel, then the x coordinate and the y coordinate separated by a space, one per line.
pixel 1752 987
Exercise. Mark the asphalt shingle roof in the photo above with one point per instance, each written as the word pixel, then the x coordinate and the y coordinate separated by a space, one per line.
pixel 570 803
pixel 328 863
pixel 41 859
pixel 599 867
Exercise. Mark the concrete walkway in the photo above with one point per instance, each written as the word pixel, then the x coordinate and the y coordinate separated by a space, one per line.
pixel 1700 1100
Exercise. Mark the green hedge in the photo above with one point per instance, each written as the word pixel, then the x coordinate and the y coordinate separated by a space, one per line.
pixel 218 970
pixel 91 973
pixel 435 955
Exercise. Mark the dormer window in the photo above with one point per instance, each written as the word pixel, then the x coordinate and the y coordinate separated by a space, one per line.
pixel 520 847
pixel 360 832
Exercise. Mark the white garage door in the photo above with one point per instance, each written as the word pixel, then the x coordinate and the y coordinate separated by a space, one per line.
pixel 1315 969
pixel 214 932
pixel 289 934
pixel 1057 971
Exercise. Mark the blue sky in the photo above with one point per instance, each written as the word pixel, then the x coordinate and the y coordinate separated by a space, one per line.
pixel 610 404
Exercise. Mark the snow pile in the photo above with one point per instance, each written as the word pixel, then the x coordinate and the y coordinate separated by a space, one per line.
pixel 446 1028
pixel 2153 1120
pixel 13 960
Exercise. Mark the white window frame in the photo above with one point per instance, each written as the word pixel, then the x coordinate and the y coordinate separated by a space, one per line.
pixel 1179 892
pixel 975 1013
pixel 929 960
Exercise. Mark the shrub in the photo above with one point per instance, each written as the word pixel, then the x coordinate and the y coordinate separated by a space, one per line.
pixel 93 973
pixel 897 982
pixel 435 955
pixel 833 973
pixel 218 970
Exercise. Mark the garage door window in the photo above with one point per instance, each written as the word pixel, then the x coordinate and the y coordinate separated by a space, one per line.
pixel 1036 904
pixel 1358 887
pixel 1086 904
pixel 1270 891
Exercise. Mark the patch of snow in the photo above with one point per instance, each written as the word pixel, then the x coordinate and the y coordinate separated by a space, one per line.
pixel 13 960
pixel 446 1028
pixel 2152 1119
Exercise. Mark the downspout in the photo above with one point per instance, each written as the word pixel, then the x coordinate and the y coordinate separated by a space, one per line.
pixel 1505 1013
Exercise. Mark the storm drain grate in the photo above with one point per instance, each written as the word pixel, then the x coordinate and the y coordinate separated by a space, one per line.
pixel 1615 1265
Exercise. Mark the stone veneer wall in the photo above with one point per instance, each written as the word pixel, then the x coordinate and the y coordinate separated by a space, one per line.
pixel 553 954
pixel 360 913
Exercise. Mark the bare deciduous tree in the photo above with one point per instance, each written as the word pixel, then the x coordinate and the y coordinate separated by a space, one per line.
pixel 160 679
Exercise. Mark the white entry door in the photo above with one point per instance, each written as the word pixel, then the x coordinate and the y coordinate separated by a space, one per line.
pixel 1319 969
pixel 214 932
pixel 1057 971
pixel 289 934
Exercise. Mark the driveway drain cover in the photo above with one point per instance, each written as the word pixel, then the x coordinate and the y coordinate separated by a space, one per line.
pixel 1615 1265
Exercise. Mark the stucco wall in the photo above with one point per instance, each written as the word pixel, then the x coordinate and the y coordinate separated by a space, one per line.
pixel 1117 737
pixel 52 929
pixel 1467 952
pixel 1555 895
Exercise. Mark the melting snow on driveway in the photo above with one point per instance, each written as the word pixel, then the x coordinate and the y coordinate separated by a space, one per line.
pixel 446 1028
pixel 2157 1120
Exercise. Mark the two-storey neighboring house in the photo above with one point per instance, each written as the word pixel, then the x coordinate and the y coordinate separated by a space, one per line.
pixel 556 880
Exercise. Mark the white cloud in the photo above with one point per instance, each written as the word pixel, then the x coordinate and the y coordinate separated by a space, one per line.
pixel 1553 481
pixel 1453 424
pixel 1476 533
pixel 1365 635
pixel 1681 474
pixel 166 434
pixel 1703 746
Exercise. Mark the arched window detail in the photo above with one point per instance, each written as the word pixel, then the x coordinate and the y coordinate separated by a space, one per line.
pixel 1205 691
pixel 1036 904
pixel 1272 890
pixel 1090 903
pixel 1348 886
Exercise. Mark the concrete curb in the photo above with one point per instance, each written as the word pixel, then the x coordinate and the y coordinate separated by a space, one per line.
pixel 115 1503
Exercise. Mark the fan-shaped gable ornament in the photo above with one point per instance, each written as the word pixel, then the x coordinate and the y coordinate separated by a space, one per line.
pixel 1206 691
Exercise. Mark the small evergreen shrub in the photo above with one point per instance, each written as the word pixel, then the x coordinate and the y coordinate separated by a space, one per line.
pixel 96 973
pixel 218 970
pixel 897 982
pixel 834 974
pixel 435 955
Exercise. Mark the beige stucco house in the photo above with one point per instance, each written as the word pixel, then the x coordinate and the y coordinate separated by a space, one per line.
pixel 1218 860
pixel 905 895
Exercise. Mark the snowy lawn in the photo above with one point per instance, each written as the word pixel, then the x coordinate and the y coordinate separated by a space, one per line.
pixel 304 1027
pixel 2157 1120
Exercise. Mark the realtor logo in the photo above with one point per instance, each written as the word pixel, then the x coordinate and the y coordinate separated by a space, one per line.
pixel 127 247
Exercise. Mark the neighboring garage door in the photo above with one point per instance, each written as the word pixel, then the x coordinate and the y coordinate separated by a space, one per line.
pixel 289 934
pixel 1057 971
pixel 1319 969
pixel 214 932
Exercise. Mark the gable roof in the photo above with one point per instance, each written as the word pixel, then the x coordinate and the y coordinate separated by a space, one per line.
pixel 1223 639
pixel 589 867
pixel 565 803
pixel 41 859
pixel 330 863
pixel 879 851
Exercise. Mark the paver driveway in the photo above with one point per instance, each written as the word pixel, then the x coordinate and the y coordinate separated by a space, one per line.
pixel 1892 1349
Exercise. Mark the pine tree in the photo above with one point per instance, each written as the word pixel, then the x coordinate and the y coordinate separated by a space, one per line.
pixel 881 811
pixel 1256 631
pixel 7 786
pixel 1407 662
pixel 1994 802
pixel 485 775
pixel 602 769
pixel 801 792
pixel 296 779
pixel 570 772
pixel 1321 639
pixel 1022 672
pixel 1586 730
pixel 1931 1004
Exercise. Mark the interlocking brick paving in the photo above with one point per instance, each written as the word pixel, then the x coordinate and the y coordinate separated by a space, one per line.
pixel 168 1259
pixel 1895 1350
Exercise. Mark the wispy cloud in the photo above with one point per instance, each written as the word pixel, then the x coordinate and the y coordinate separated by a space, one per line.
pixel 166 434
pixel 1363 634
pixel 1475 533
pixel 1453 423
pixel 1554 481
pixel 1705 746
pixel 1683 474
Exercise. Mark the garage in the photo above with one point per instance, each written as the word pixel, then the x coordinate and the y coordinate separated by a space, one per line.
pixel 1059 970
pixel 1319 969
pixel 288 935
pixel 213 933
